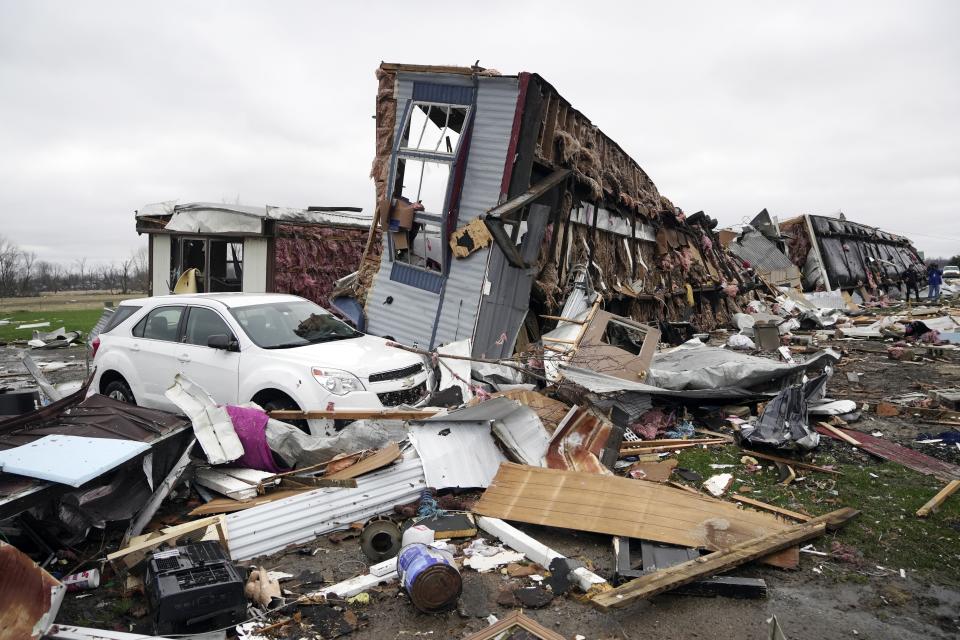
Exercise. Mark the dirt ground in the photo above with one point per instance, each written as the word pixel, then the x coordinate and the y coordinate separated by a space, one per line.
pixel 824 597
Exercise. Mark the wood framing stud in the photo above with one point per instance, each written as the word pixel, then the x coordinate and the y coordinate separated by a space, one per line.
pixel 937 500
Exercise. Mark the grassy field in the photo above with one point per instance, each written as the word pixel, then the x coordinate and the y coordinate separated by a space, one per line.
pixel 71 319
pixel 63 300
pixel 887 533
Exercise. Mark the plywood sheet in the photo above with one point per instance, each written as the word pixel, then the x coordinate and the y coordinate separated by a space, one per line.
pixel 621 507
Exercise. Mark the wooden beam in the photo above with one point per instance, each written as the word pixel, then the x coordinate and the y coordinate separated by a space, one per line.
pixel 840 434
pixel 934 503
pixel 708 565
pixel 562 319
pixel 640 444
pixel 383 414
pixel 771 507
pixel 792 463
pixel 140 546
pixel 837 519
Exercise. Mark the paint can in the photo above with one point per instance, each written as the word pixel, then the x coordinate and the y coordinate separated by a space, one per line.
pixel 429 577
pixel 83 580
pixel 417 533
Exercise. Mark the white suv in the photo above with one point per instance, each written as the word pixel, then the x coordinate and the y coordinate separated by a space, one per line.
pixel 280 351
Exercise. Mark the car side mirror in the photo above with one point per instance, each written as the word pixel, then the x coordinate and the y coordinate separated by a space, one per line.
pixel 222 341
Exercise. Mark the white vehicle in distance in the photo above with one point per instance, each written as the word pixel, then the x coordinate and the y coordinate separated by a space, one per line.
pixel 280 351
pixel 951 271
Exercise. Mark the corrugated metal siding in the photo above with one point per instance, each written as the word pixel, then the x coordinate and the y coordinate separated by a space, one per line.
pixel 760 252
pixel 276 525
pixel 409 319
pixel 506 306
pixel 493 123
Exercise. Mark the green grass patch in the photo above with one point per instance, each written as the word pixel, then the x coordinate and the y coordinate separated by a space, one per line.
pixel 887 533
pixel 71 319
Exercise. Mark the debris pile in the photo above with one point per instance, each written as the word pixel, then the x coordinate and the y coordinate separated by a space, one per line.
pixel 604 370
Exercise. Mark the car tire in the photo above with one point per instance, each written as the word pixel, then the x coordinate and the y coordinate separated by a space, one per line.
pixel 120 390
pixel 286 404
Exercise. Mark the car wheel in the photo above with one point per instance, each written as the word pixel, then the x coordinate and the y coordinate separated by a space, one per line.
pixel 286 404
pixel 120 390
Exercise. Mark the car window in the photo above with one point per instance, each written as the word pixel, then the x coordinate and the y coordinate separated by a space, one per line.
pixel 159 324
pixel 203 323
pixel 281 325
pixel 121 314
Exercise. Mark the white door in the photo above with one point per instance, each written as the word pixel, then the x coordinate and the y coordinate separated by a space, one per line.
pixel 152 352
pixel 216 370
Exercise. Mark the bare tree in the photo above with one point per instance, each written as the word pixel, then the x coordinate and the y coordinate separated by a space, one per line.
pixel 44 275
pixel 57 273
pixel 126 272
pixel 141 270
pixel 10 256
pixel 27 260
pixel 81 265
pixel 107 273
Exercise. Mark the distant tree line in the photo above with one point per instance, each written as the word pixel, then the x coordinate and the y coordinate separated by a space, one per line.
pixel 22 274
pixel 942 261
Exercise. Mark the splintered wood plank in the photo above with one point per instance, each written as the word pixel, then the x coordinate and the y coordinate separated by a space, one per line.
pixel 821 426
pixel 770 507
pixel 381 458
pixel 621 507
pixel 790 462
pixel 938 499
pixel 708 565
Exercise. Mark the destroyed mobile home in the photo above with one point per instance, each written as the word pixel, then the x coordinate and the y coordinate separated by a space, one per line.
pixel 585 343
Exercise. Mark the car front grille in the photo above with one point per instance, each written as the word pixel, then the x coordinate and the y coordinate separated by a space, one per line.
pixel 396 374
pixel 404 396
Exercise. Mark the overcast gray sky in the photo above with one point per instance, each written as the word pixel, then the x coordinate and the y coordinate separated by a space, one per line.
pixel 812 107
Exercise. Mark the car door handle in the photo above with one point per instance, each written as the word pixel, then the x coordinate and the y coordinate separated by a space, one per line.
pixel 135 347
pixel 183 357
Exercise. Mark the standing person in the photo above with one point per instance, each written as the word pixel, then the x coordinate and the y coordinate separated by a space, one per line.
pixel 911 279
pixel 934 280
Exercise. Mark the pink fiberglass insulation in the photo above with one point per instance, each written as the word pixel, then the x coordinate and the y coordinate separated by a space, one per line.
pixel 310 259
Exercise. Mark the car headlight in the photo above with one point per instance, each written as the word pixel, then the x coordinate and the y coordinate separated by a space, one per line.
pixel 337 382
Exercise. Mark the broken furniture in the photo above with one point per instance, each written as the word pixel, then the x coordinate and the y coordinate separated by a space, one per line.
pixel 113 493
pixel 654 557
pixel 194 588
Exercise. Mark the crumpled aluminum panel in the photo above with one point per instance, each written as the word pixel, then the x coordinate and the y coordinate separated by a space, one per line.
pixel 271 527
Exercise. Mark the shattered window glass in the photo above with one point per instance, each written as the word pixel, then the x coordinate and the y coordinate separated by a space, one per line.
pixel 434 128
pixel 424 182
pixel 423 171
pixel 219 262
pixel 418 211
pixel 226 265
pixel 624 336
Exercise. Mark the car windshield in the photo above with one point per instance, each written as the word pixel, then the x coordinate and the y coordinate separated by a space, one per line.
pixel 283 325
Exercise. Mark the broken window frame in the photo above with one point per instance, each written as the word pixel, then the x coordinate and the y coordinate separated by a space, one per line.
pixel 408 123
pixel 427 218
pixel 235 284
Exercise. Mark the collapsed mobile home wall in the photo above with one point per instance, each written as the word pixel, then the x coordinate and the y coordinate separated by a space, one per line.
pixel 555 195
pixel 835 253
